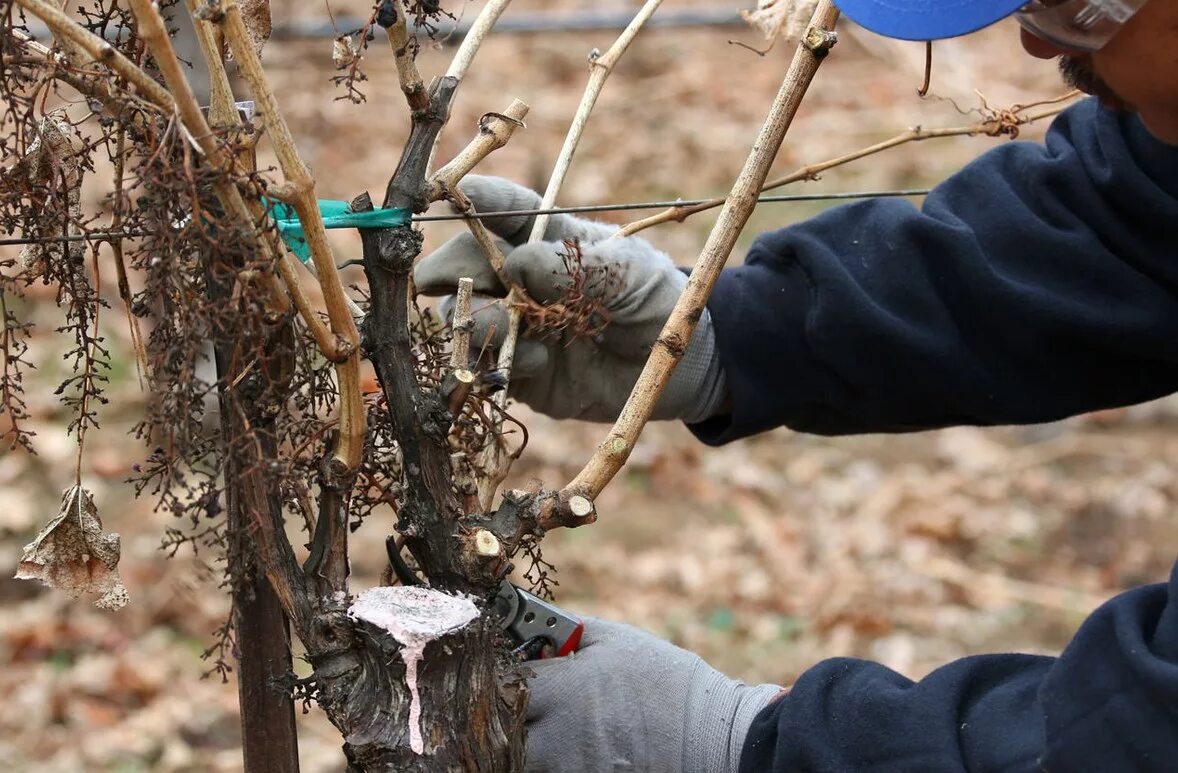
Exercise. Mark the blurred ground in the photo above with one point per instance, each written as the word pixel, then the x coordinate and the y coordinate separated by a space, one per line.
pixel 765 555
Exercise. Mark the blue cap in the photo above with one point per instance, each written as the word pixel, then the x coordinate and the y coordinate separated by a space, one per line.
pixel 927 19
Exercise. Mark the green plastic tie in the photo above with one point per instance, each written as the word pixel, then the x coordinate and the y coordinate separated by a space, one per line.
pixel 335 214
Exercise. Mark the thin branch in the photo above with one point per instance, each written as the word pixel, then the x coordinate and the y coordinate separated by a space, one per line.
pixel 673 340
pixel 471 43
pixel 482 236
pixel 404 54
pixel 462 324
pixel 474 37
pixel 495 129
pixel 116 248
pixel 66 29
pixel 73 58
pixel 88 386
pixel 222 111
pixel 600 69
pixel 350 443
pixel 1003 123
pixel 493 460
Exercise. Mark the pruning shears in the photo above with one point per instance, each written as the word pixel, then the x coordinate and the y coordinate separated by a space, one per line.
pixel 537 628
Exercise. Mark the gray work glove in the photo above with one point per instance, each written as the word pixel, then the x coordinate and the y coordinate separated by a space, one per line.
pixel 559 374
pixel 627 700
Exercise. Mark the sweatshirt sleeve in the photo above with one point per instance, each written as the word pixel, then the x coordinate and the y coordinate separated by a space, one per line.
pixel 1108 703
pixel 1038 282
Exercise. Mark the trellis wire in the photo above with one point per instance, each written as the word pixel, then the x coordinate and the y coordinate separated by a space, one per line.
pixel 797 197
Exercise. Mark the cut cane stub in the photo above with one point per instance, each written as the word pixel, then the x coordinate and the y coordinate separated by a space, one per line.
pixel 486 543
pixel 580 506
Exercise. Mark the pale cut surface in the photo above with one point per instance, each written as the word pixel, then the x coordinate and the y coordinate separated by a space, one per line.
pixel 414 616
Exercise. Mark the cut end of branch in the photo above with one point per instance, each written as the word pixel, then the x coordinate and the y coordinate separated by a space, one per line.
pixel 580 507
pixel 566 509
pixel 413 615
pixel 486 543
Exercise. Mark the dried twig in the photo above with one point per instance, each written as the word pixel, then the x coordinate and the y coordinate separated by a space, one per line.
pixel 69 31
pixel 600 69
pixel 1002 123
pixel 404 55
pixel 494 460
pixel 495 129
pixel 298 189
pixel 70 63
pixel 922 91
pixel 462 324
pixel 672 341
pixel 471 43
pixel 116 248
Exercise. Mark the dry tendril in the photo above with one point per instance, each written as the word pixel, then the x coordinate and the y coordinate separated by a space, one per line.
pixel 582 309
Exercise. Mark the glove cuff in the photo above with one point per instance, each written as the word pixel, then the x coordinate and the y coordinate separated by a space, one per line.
pixel 717 718
pixel 753 701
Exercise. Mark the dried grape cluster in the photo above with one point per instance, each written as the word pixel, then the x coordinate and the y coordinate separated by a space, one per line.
pixel 228 366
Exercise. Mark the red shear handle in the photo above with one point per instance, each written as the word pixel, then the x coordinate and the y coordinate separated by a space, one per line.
pixel 573 641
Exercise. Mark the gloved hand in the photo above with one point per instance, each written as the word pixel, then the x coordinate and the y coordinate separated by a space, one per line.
pixel 560 374
pixel 627 700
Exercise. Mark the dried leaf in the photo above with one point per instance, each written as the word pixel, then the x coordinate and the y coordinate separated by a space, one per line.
pixel 72 553
pixel 780 17
pixel 343 52
pixel 256 16
pixel 53 162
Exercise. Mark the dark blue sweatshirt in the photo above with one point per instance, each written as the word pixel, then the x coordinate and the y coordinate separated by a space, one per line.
pixel 1039 282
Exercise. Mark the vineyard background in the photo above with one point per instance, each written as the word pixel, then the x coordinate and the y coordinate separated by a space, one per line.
pixel 765 555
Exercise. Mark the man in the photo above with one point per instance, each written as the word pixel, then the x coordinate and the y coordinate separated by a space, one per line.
pixel 1039 282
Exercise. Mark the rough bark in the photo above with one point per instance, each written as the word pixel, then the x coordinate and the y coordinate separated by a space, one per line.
pixel 473 701
pixel 471 721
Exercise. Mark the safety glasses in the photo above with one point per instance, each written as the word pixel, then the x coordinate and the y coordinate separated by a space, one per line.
pixel 1083 25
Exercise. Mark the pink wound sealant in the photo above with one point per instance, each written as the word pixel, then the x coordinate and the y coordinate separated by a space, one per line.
pixel 414 616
